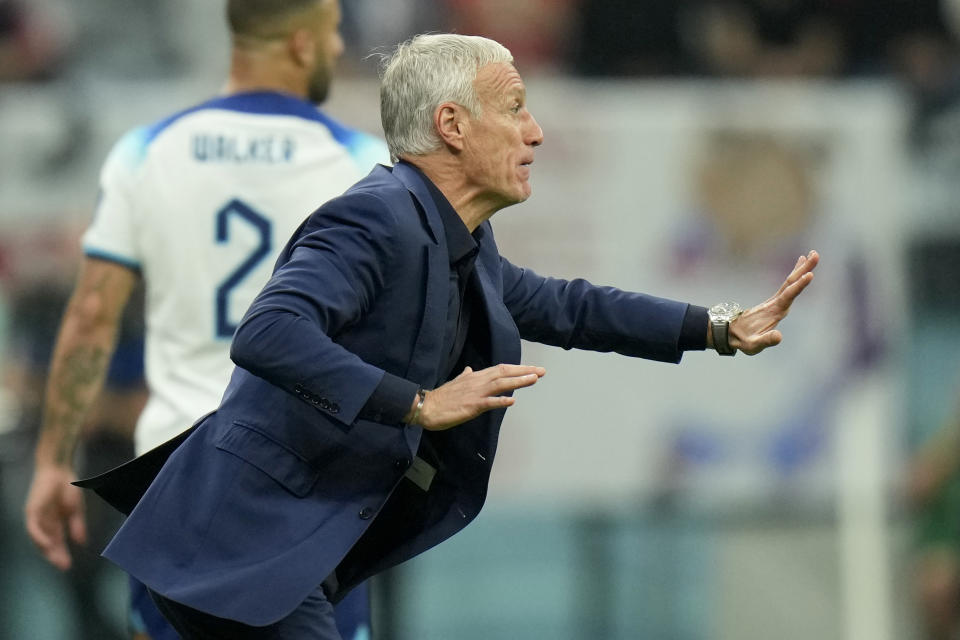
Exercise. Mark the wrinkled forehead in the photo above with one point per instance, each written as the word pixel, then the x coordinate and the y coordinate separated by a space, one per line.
pixel 498 79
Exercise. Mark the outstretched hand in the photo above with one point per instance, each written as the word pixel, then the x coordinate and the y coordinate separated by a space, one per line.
pixel 756 328
pixel 474 392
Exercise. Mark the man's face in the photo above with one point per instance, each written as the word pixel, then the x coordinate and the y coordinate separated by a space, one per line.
pixel 498 146
pixel 329 43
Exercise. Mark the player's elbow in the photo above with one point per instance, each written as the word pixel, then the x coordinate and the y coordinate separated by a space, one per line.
pixel 91 313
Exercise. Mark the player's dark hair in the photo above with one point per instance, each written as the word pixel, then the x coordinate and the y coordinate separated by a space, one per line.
pixel 256 18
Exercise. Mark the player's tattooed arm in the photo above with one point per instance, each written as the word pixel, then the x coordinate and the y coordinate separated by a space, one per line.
pixel 88 333
pixel 85 344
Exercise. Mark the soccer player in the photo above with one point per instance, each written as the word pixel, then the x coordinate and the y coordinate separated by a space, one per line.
pixel 198 205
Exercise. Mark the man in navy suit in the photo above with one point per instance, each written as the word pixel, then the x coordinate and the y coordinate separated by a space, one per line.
pixel 375 367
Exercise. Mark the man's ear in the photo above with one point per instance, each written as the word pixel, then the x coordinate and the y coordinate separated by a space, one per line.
pixel 302 46
pixel 449 120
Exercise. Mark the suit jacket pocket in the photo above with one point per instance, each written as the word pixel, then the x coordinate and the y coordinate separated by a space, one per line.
pixel 288 468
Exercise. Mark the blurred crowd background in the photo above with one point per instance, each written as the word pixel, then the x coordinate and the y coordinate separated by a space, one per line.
pixel 693 150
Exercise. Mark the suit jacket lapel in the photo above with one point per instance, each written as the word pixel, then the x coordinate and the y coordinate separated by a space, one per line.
pixel 411 179
pixel 426 359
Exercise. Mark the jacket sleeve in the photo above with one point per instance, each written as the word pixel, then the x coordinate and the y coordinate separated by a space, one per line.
pixel 325 280
pixel 574 314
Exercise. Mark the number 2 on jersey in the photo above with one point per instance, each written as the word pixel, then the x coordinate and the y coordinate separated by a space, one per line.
pixel 236 208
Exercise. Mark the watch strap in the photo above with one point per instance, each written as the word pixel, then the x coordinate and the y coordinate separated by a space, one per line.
pixel 721 337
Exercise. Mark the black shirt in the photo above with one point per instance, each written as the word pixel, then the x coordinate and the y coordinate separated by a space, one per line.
pixel 463 248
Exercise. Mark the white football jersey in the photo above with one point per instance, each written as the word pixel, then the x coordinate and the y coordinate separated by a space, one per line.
pixel 200 204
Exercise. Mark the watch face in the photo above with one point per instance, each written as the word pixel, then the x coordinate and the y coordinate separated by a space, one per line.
pixel 725 311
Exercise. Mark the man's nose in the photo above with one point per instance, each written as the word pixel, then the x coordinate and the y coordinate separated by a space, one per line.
pixel 534 133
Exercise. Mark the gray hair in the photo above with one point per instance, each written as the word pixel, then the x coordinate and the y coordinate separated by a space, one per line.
pixel 422 74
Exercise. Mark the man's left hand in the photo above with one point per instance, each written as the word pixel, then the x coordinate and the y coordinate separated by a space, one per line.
pixel 756 328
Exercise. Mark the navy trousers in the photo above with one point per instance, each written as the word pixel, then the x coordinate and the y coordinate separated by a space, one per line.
pixel 351 615
pixel 314 619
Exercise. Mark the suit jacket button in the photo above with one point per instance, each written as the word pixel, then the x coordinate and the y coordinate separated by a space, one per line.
pixel 401 463
pixel 366 513
pixel 334 408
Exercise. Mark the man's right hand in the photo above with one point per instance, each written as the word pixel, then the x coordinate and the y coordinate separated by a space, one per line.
pixel 474 392
pixel 54 506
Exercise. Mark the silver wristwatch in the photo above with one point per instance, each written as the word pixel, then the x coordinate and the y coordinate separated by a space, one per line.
pixel 721 315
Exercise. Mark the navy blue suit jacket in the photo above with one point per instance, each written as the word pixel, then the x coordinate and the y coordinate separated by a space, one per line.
pixel 270 492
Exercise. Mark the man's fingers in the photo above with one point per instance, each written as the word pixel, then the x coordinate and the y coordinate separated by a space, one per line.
pixel 474 392
pixel 790 293
pixel 770 339
pixel 78 528
pixel 797 269
pixel 497 402
pixel 48 538
pixel 59 557
pixel 512 383
pixel 805 264
pixel 755 327
pixel 509 377
pixel 513 370
pixel 763 341
pixel 41 539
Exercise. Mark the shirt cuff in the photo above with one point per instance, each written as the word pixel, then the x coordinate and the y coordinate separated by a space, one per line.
pixel 390 401
pixel 693 332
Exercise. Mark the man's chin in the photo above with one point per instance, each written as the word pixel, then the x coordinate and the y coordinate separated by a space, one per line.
pixel 522 196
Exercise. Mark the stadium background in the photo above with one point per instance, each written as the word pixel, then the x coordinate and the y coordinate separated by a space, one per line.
pixel 746 499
